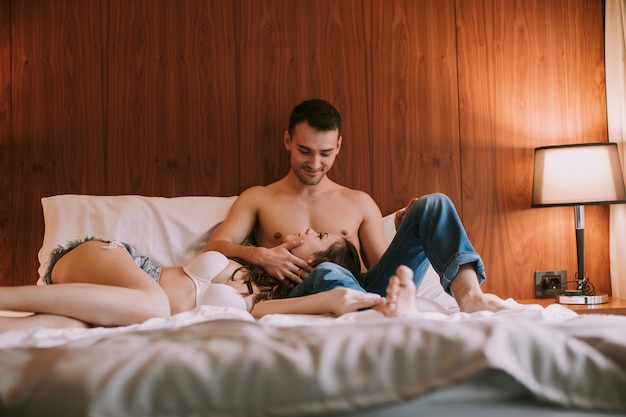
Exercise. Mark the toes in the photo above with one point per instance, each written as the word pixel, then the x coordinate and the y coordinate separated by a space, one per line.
pixel 393 288
pixel 404 273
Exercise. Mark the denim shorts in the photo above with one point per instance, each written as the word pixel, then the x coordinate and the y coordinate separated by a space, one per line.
pixel 142 261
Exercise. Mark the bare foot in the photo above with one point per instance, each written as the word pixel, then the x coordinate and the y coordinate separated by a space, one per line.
pixel 400 294
pixel 467 293
pixel 481 302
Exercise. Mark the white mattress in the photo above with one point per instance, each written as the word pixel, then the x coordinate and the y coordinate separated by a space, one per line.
pixel 217 361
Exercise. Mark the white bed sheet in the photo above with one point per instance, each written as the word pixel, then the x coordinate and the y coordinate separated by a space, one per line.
pixel 218 361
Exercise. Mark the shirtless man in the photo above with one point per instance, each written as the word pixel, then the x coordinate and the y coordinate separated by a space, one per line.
pixel 306 197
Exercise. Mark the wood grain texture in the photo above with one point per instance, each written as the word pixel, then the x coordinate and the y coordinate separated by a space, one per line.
pixel 7 213
pixel 530 74
pixel 157 97
pixel 172 116
pixel 291 51
pixel 415 102
pixel 57 125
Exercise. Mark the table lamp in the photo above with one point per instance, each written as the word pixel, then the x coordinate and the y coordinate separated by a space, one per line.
pixel 578 175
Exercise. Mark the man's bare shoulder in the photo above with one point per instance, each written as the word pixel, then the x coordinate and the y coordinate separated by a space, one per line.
pixel 257 192
pixel 357 197
pixel 264 197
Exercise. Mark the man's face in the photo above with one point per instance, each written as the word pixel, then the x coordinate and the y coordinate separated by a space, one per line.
pixel 312 153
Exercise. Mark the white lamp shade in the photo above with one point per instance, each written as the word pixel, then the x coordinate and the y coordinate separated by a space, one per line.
pixel 579 174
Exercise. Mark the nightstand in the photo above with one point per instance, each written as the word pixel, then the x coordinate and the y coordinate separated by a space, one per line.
pixel 614 306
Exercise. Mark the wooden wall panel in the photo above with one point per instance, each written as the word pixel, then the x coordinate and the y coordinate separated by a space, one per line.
pixel 415 102
pixel 161 97
pixel 292 51
pixel 171 98
pixel 7 213
pixel 57 124
pixel 530 74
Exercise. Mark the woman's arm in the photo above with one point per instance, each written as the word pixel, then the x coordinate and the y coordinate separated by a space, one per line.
pixel 337 301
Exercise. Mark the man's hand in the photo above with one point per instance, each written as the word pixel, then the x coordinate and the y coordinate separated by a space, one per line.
pixel 402 212
pixel 279 262
pixel 346 300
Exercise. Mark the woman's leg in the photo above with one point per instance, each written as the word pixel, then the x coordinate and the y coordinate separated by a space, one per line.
pixel 431 232
pixel 324 277
pixel 96 285
pixel 400 298
pixel 39 320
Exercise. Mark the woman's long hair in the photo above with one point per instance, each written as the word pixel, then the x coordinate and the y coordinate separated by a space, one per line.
pixel 342 253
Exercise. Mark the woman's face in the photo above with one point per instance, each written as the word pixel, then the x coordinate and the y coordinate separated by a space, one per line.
pixel 313 242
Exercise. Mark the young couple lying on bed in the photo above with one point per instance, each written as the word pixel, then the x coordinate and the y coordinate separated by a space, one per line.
pixel 292 268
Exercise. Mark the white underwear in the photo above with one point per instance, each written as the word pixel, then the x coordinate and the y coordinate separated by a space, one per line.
pixel 202 270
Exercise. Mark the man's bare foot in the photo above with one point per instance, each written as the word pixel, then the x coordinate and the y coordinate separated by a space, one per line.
pixel 467 293
pixel 481 302
pixel 400 294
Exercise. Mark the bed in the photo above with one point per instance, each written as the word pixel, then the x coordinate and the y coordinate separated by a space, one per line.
pixel 216 361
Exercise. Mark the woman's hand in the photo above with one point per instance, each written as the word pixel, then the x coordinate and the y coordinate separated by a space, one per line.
pixel 340 301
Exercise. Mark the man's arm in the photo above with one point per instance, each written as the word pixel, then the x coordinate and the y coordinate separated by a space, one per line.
pixel 371 232
pixel 229 236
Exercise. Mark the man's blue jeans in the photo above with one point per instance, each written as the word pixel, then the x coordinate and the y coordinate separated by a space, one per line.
pixel 431 232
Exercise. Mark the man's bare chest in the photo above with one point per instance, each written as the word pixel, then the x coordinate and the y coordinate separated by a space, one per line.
pixel 277 221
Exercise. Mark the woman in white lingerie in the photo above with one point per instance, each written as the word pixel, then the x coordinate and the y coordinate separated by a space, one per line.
pixel 107 283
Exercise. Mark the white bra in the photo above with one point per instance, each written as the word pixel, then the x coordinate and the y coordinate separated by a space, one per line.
pixel 202 270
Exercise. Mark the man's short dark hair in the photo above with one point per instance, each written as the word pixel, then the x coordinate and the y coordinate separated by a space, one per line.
pixel 319 114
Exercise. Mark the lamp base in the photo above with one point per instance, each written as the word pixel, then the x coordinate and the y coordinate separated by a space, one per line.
pixel 576 297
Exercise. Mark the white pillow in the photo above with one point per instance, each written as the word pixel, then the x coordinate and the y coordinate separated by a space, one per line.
pixel 171 231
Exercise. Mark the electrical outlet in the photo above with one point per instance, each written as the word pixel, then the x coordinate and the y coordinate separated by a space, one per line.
pixel 550 283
